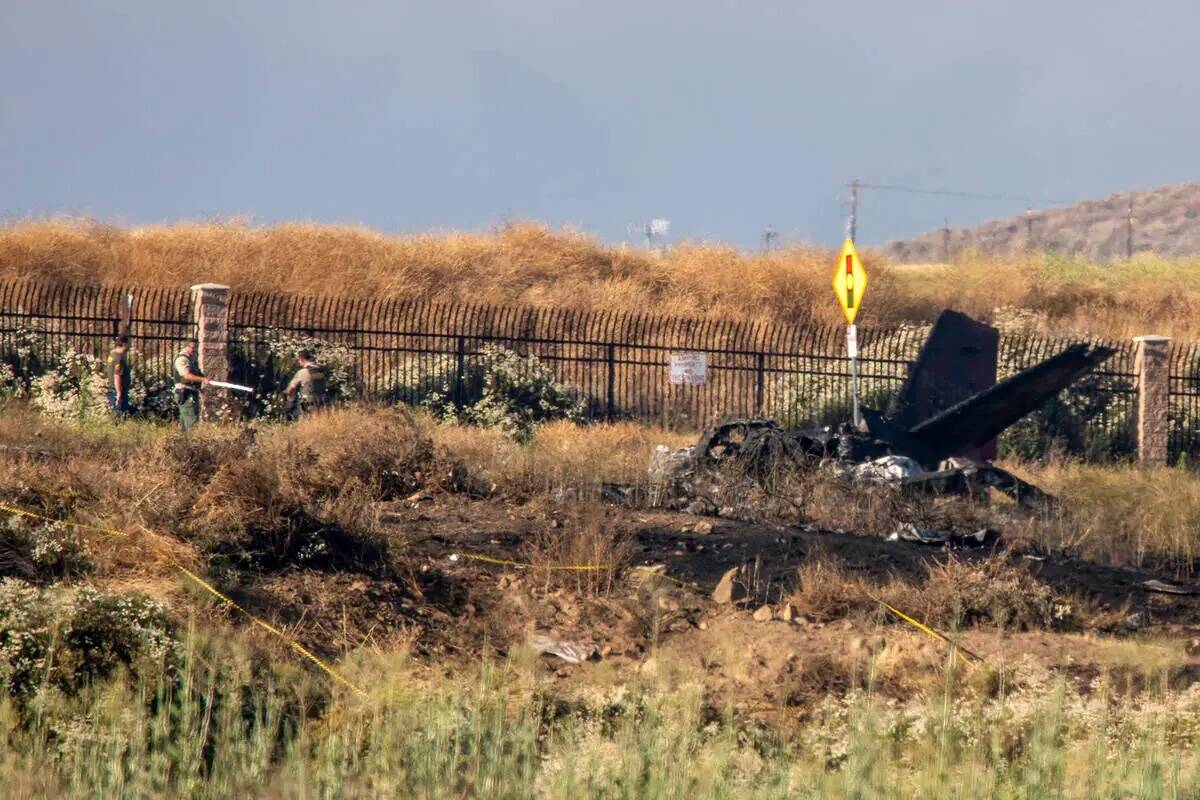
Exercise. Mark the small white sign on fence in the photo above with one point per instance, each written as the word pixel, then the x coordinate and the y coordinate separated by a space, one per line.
pixel 689 369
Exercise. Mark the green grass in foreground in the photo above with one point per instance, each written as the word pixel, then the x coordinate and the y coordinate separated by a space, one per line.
pixel 224 728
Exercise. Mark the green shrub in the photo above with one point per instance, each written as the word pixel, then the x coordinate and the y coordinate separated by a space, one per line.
pixel 66 383
pixel 72 386
pixel 58 550
pixel 9 387
pixel 27 628
pixel 105 631
pixel 70 638
pixel 1094 418
pixel 996 591
pixel 266 360
pixel 500 389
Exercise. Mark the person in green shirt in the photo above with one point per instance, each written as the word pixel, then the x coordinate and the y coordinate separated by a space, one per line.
pixel 188 382
pixel 116 370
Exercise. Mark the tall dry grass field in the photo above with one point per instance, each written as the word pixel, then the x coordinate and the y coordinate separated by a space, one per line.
pixel 1044 293
pixel 522 264
pixel 499 731
pixel 529 264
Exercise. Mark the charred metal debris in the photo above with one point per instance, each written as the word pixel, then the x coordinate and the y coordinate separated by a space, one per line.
pixel 936 438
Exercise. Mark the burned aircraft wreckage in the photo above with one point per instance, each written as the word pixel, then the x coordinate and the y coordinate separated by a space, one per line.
pixel 936 437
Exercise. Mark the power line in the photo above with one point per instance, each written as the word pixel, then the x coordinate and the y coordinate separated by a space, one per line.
pixel 949 193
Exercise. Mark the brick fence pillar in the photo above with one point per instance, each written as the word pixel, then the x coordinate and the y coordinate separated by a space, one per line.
pixel 211 312
pixel 1153 368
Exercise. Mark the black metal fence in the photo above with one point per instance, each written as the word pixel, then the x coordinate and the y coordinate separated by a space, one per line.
pixel 65 331
pixel 1183 414
pixel 619 364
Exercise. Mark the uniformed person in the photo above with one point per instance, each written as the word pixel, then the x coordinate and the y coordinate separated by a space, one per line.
pixel 116 370
pixel 308 389
pixel 188 382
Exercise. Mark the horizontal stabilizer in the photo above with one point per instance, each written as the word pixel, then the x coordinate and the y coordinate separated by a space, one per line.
pixel 979 419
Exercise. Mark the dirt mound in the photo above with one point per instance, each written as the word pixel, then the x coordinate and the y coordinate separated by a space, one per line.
pixel 1165 221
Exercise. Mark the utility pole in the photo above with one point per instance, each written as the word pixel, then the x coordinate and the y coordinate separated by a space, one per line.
pixel 1129 232
pixel 946 241
pixel 1029 229
pixel 852 223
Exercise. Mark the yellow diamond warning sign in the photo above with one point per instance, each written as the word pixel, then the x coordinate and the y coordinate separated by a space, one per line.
pixel 849 281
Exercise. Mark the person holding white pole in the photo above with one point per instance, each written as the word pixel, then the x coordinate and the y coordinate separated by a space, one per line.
pixel 189 380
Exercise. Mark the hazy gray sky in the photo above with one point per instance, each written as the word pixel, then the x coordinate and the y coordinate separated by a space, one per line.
pixel 722 117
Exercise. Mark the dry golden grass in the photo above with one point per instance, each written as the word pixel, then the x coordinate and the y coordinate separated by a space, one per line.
pixel 560 454
pixel 62 471
pixel 1108 513
pixel 335 466
pixel 522 264
pixel 1118 514
pixel 1124 514
pixel 1049 294
pixel 588 536
pixel 529 264
pixel 996 591
pixel 223 487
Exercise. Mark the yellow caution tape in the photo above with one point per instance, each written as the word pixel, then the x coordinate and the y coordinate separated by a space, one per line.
pixel 503 562
pixel 295 646
pixel 32 515
pixel 956 648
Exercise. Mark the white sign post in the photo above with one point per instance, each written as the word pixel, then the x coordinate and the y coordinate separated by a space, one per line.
pixel 850 284
pixel 852 351
pixel 688 369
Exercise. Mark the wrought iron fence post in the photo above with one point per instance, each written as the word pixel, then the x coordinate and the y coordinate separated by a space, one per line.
pixel 1152 365
pixel 610 359
pixel 125 324
pixel 760 385
pixel 460 357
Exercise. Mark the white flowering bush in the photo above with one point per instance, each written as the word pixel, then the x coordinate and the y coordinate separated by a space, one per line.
pixel 72 386
pixel 266 360
pixel 58 550
pixel 500 389
pixel 105 631
pixel 27 627
pixel 19 357
pixel 151 392
pixel 9 386
pixel 66 383
pixel 70 638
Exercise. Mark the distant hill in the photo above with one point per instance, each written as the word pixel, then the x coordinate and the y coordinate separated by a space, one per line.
pixel 1166 221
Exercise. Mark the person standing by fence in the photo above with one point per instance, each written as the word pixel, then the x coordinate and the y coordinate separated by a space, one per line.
pixel 116 370
pixel 188 382
pixel 308 389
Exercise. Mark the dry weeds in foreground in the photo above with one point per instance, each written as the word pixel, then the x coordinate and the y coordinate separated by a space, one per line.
pixel 529 264
pixel 335 465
